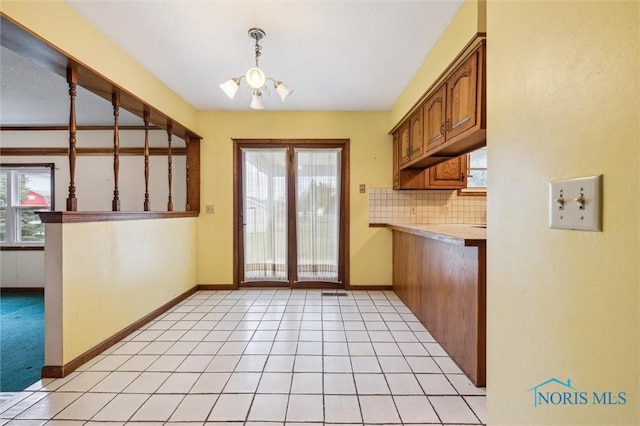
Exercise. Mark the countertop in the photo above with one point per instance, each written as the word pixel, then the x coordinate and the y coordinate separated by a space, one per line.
pixel 460 234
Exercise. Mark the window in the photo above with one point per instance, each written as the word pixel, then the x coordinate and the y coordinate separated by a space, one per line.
pixel 476 173
pixel 25 190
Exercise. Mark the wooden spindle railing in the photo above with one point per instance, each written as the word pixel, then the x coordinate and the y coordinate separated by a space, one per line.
pixel 115 100
pixel 169 171
pixel 147 204
pixel 192 154
pixel 72 79
pixel 77 75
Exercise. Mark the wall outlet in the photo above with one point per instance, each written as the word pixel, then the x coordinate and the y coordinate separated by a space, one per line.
pixel 444 210
pixel 210 209
pixel 413 210
pixel 363 188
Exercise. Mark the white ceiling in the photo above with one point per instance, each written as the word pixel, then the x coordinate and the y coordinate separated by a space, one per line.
pixel 337 55
pixel 35 96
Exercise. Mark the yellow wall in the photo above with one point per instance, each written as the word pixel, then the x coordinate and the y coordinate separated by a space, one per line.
pixel 370 163
pixel 60 24
pixel 469 20
pixel 114 273
pixel 370 249
pixel 562 99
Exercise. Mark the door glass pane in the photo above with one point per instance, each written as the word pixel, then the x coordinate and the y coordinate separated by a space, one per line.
pixel 264 212
pixel 317 213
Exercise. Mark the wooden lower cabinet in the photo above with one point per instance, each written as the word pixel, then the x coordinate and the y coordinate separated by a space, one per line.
pixel 407 277
pixel 444 285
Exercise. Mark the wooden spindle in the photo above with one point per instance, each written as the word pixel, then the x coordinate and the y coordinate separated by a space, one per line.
pixel 72 79
pixel 169 171
pixel 147 204
pixel 115 100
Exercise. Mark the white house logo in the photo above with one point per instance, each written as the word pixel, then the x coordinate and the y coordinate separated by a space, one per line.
pixel 557 392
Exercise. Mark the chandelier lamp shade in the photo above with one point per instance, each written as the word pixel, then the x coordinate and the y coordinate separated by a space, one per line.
pixel 256 80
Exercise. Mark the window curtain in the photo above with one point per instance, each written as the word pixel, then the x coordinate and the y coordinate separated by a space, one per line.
pixel 317 200
pixel 265 214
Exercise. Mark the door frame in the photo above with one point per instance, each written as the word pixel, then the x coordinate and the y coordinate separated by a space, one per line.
pixel 343 244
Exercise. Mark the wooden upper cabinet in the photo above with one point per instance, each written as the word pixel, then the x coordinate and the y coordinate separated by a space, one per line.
pixel 461 97
pixel 434 119
pixel 451 174
pixel 396 166
pixel 451 121
pixel 405 143
pixel 417 141
pixel 407 178
pixel 410 138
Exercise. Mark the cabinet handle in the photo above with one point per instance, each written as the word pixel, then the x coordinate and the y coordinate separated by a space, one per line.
pixel 442 129
pixel 461 177
pixel 448 125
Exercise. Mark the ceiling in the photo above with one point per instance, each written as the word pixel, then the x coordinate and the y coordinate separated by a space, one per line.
pixel 35 96
pixel 337 55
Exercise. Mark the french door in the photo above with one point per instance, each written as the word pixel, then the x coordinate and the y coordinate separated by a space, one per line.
pixel 290 213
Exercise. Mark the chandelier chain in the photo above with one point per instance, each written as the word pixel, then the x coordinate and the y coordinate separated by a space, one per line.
pixel 258 48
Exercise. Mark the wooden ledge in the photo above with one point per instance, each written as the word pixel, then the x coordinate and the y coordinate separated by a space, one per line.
pixel 80 217
pixel 22 248
pixel 377 225
pixel 456 234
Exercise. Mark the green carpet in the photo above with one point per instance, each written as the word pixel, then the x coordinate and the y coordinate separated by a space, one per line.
pixel 21 339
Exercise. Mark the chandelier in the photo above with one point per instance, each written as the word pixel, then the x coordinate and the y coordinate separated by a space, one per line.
pixel 256 80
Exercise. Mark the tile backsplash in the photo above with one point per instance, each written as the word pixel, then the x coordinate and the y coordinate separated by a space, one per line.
pixel 421 206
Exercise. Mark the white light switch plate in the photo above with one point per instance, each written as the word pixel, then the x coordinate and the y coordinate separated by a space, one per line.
pixel 576 203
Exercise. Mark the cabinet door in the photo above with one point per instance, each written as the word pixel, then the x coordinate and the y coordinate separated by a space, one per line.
pixel 451 174
pixel 416 134
pixel 405 143
pixel 408 178
pixel 462 97
pixel 434 118
pixel 396 166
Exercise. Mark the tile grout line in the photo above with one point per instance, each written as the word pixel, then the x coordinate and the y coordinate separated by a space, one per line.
pixel 297 315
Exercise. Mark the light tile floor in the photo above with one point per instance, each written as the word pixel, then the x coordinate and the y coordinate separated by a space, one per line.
pixel 264 357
